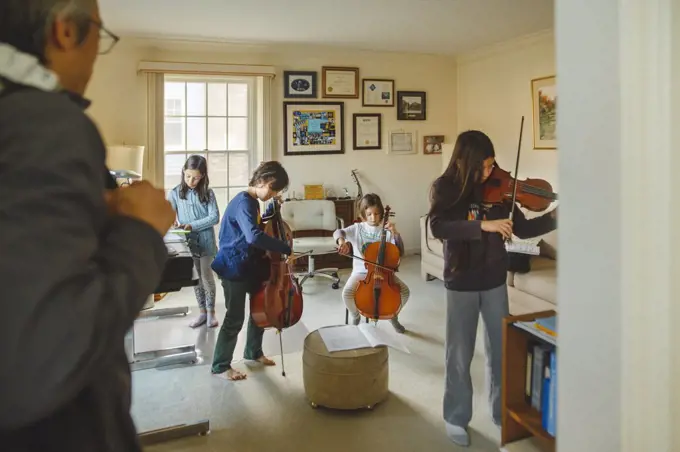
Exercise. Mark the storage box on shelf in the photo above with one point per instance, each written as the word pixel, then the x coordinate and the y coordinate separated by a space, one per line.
pixel 527 381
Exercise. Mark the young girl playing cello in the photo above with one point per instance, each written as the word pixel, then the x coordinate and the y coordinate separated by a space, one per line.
pixel 475 271
pixel 360 235
pixel 242 265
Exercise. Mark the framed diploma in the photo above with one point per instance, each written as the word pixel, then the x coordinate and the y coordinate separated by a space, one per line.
pixel 377 93
pixel 402 142
pixel 367 131
pixel 340 82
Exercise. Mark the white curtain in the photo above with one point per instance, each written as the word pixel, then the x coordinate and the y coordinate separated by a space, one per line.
pixel 154 163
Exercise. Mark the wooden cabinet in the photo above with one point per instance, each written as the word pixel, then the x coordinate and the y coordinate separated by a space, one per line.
pixel 344 208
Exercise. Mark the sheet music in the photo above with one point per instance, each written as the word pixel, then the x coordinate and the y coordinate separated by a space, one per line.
pixel 343 337
pixel 350 337
pixel 523 247
pixel 378 336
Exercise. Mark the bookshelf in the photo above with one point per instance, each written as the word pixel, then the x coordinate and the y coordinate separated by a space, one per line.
pixel 519 419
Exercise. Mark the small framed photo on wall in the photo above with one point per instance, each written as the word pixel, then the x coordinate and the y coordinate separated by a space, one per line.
pixel 377 93
pixel 432 144
pixel 299 85
pixel 411 106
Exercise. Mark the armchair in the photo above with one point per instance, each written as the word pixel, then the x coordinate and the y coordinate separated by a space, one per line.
pixel 314 216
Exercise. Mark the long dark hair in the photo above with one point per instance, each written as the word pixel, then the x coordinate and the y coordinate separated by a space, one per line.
pixel 271 171
pixel 464 170
pixel 196 162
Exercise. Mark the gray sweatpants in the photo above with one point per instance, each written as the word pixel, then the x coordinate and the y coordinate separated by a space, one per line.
pixel 205 289
pixel 462 315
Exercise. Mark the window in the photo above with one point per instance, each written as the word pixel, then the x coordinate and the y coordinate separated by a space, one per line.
pixel 216 117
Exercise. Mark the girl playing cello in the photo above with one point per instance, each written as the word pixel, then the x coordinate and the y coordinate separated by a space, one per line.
pixel 359 236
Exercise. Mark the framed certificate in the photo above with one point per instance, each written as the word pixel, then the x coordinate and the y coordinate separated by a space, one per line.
pixel 377 92
pixel 367 131
pixel 340 82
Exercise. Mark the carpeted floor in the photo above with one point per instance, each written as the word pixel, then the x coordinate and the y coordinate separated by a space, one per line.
pixel 269 412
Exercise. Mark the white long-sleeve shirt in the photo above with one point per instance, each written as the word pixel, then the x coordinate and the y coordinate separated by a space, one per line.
pixel 360 235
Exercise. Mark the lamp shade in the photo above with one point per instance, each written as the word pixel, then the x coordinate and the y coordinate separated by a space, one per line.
pixel 125 158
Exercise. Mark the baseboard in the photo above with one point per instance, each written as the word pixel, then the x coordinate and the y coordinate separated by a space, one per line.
pixel 412 251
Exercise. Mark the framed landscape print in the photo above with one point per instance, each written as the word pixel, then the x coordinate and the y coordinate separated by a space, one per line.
pixel 377 93
pixel 313 128
pixel 340 82
pixel 299 84
pixel 544 106
pixel 411 105
pixel 367 131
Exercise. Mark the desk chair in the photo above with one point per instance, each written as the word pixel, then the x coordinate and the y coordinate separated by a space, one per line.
pixel 314 217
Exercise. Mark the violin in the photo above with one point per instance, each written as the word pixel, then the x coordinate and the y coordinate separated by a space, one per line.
pixel 278 303
pixel 535 195
pixel 378 296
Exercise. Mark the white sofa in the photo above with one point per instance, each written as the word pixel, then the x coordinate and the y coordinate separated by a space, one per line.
pixel 528 292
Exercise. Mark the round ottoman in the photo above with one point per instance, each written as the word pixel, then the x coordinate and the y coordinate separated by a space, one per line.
pixel 344 380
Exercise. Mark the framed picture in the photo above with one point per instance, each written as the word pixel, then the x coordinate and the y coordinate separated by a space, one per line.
pixel 299 84
pixel 411 105
pixel 403 142
pixel 367 132
pixel 377 92
pixel 312 128
pixel 340 82
pixel 544 106
pixel 432 144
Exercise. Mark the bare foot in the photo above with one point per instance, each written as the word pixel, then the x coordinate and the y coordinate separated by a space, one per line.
pixel 232 375
pixel 266 361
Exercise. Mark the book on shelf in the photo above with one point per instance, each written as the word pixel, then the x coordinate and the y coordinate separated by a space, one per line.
pixel 544 328
pixel 541 383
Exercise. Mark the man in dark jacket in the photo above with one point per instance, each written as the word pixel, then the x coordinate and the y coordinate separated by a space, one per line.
pixel 78 257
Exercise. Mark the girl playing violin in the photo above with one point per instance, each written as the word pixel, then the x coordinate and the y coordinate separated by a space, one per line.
pixel 359 236
pixel 475 272
pixel 242 265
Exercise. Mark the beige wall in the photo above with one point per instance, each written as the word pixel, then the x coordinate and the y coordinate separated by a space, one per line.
pixel 494 91
pixel 119 108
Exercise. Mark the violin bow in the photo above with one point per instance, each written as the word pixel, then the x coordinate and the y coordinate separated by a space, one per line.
pixel 514 184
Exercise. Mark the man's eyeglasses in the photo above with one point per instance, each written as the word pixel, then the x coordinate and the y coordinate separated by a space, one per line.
pixel 107 39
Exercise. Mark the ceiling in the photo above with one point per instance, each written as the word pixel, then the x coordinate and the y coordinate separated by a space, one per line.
pixel 424 26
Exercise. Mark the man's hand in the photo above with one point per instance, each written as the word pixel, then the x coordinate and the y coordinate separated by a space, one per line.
pixel 142 201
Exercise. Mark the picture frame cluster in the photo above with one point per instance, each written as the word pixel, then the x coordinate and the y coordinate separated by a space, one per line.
pixel 313 120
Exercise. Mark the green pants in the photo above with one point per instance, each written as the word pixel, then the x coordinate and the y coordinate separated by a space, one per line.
pixel 235 298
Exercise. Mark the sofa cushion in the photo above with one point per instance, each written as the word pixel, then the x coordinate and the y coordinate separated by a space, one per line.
pixel 541 281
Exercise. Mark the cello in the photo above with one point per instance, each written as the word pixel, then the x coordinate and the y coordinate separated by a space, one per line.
pixel 278 303
pixel 378 296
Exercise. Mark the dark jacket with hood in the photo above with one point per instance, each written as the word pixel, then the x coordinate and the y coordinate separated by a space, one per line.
pixel 475 260
pixel 73 277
